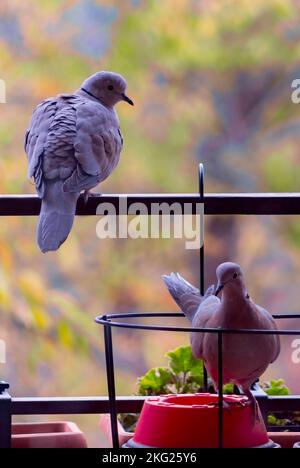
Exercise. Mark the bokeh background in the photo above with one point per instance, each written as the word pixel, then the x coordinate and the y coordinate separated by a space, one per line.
pixel 211 81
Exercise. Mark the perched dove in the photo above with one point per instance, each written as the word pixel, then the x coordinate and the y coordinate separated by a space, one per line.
pixel 73 143
pixel 245 357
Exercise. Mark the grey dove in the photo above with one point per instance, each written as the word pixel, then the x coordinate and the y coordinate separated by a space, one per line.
pixel 245 357
pixel 73 143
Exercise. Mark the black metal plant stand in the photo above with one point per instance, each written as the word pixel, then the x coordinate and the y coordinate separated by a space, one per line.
pixel 119 321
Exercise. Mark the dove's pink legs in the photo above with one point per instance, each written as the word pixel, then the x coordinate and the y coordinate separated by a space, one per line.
pixel 254 405
pixel 225 404
pixel 86 195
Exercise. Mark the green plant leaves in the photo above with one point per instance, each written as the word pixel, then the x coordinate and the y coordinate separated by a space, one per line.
pixel 155 381
pixel 184 374
pixel 228 389
pixel 276 387
pixel 182 360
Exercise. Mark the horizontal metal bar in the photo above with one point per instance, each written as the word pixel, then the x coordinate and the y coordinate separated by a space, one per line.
pixel 106 320
pixel 125 404
pixel 278 403
pixel 286 428
pixel 81 405
pixel 286 316
pixel 214 203
pixel 113 316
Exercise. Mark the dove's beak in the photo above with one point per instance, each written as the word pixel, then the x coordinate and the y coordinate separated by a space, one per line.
pixel 219 288
pixel 127 99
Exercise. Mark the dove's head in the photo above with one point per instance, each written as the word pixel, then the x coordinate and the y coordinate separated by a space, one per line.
pixel 108 87
pixel 230 277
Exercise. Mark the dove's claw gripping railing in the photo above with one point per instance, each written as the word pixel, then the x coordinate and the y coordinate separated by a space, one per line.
pixel 214 204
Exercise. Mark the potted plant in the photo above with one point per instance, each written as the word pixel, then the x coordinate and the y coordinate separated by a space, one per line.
pixel 282 425
pixel 182 375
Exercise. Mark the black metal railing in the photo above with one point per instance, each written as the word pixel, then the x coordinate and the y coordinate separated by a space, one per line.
pixel 101 405
pixel 214 204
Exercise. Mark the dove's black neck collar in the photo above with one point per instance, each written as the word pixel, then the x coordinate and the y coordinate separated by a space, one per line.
pixel 91 94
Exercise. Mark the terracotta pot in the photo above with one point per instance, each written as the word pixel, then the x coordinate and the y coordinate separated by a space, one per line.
pixel 285 439
pixel 104 425
pixel 59 434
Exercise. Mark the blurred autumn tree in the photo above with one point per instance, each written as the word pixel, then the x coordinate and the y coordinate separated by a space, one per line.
pixel 212 82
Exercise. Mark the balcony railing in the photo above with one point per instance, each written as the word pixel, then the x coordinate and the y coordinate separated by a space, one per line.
pixel 101 405
pixel 214 204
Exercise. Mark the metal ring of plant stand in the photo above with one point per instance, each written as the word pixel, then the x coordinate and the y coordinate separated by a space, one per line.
pixel 201 256
pixel 117 320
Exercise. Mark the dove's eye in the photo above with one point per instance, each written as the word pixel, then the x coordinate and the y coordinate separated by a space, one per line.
pixel 235 275
pixel 110 87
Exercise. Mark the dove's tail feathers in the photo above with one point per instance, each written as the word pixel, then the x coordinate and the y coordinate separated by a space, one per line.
pixel 56 217
pixel 186 296
pixel 178 286
pixel 53 229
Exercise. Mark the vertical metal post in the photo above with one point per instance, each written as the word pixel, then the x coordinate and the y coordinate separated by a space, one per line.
pixel 201 279
pixel 5 416
pixel 205 378
pixel 220 388
pixel 201 193
pixel 110 375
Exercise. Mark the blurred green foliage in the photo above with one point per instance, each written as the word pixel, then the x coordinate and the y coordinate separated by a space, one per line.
pixel 276 387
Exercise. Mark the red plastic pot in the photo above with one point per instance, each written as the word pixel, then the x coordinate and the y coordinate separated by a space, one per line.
pixel 60 434
pixel 191 421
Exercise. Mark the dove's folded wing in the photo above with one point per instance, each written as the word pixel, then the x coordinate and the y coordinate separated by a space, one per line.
pixel 205 312
pixel 97 144
pixel 36 137
pixel 269 323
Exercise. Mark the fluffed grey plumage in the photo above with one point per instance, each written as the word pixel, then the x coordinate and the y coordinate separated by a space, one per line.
pixel 73 143
pixel 245 357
